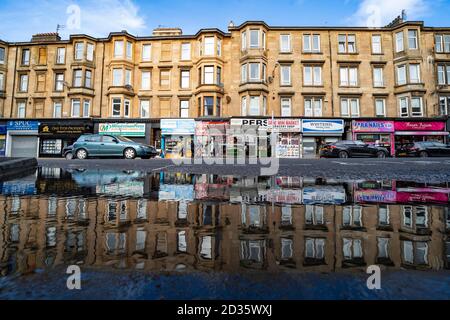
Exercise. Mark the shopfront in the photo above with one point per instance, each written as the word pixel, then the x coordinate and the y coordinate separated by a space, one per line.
pixel 22 139
pixel 288 137
pixel 418 131
pixel 177 138
pixel 211 138
pixel 317 132
pixel 249 138
pixel 375 132
pixel 3 131
pixel 54 137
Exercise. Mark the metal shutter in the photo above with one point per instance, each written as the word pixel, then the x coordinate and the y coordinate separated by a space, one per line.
pixel 24 146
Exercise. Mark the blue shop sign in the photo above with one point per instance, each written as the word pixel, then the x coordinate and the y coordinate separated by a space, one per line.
pixel 177 126
pixel 23 125
pixel 318 126
pixel 3 129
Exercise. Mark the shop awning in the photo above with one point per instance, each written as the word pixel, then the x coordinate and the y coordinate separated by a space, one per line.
pixel 421 133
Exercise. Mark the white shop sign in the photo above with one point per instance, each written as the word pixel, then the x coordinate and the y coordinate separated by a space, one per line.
pixel 279 125
pixel 323 127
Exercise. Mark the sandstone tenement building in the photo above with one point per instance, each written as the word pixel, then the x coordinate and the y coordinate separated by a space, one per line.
pixel 385 85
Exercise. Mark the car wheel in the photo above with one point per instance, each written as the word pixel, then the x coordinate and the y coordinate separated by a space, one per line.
pixel 82 154
pixel 343 155
pixel 381 155
pixel 129 154
pixel 69 156
pixel 423 154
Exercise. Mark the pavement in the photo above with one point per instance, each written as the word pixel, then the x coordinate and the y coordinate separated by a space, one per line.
pixel 436 170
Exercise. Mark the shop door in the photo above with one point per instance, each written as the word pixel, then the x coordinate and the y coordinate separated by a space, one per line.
pixel 309 148
pixel 24 146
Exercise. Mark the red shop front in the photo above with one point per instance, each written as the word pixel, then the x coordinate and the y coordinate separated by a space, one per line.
pixel 418 131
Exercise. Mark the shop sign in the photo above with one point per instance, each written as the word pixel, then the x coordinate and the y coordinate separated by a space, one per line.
pixel 406 197
pixel 285 196
pixel 169 192
pixel 249 122
pixel 211 128
pixel 285 125
pixel 375 196
pixel 419 126
pixel 22 125
pixel 279 125
pixel 64 129
pixel 177 126
pixel 326 195
pixel 122 129
pixel 126 189
pixel 373 126
pixel 18 188
pixel 323 127
pixel 3 129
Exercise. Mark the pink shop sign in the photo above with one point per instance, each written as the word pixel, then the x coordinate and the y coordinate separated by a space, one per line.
pixel 412 197
pixel 420 126
pixel 373 126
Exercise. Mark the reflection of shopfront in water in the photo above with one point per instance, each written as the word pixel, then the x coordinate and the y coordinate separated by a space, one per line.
pixel 249 138
pixel 375 132
pixel 3 131
pixel 317 132
pixel 418 131
pixel 211 138
pixel 177 138
pixel 54 137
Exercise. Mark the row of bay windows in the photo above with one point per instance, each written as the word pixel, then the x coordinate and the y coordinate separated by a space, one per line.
pixel 82 52
pixel 311 43
pixel 253 39
pixel 207 46
pixel 409 106
pixel 208 75
pixel 408 73
pixel 80 108
pixel 208 106
pixel 82 78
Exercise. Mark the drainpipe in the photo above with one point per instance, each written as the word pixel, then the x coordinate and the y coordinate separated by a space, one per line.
pixel 14 83
pixel 331 74
pixel 101 86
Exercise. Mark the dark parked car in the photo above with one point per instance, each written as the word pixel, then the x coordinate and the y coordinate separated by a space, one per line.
pixel 424 150
pixel 95 145
pixel 352 149
pixel 68 152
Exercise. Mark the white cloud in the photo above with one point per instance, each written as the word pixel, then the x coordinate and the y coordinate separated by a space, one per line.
pixel 377 13
pixel 103 16
pixel 96 18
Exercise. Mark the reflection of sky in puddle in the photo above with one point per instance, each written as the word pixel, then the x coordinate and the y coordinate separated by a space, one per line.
pixel 172 222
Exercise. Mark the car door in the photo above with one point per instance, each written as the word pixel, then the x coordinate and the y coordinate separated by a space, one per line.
pixel 442 150
pixel 432 149
pixel 358 149
pixel 91 144
pixel 110 146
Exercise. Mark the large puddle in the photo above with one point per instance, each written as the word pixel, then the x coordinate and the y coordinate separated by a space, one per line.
pixel 165 223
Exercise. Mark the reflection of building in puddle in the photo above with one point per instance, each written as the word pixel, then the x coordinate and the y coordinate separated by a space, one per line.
pixel 41 232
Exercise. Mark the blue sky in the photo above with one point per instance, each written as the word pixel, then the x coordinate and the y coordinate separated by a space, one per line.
pixel 19 19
